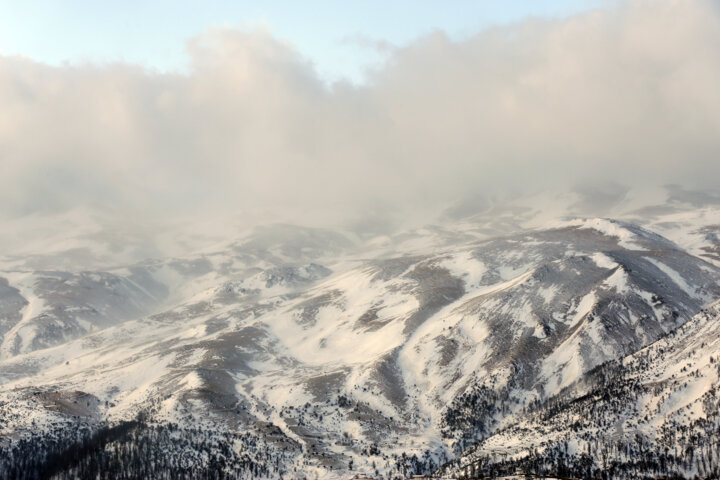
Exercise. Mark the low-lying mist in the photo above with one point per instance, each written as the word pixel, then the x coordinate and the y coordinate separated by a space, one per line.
pixel 619 98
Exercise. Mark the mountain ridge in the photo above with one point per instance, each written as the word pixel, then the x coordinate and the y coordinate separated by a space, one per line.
pixel 368 361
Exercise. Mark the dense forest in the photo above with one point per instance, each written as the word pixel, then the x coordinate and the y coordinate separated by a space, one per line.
pixel 135 449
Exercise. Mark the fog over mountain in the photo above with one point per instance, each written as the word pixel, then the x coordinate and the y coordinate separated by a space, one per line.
pixel 499 254
pixel 623 94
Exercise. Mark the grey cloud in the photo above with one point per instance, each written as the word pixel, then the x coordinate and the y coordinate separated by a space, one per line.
pixel 625 94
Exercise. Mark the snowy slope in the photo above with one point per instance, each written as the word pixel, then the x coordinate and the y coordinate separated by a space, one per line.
pixel 329 353
pixel 655 411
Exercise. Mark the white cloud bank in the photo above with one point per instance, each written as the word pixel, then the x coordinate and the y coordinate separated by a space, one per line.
pixel 626 94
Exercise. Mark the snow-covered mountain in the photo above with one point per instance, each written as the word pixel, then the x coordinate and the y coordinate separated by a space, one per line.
pixel 310 352
pixel 652 413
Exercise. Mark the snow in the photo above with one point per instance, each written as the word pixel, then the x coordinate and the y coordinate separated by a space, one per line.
pixel 673 275
pixel 510 278
pixel 464 265
pixel 612 228
pixel 584 307
pixel 548 293
pixel 618 281
pixel 315 330
pixel 603 261
pixel 332 339
pixel 24 331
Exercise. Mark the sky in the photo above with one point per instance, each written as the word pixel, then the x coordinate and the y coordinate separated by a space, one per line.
pixel 340 38
pixel 169 109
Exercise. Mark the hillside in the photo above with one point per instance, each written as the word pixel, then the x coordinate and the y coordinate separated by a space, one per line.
pixel 314 355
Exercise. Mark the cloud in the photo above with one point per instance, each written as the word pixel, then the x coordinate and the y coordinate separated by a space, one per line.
pixel 624 94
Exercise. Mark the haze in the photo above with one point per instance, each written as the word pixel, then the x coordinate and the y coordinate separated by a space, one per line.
pixel 626 94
